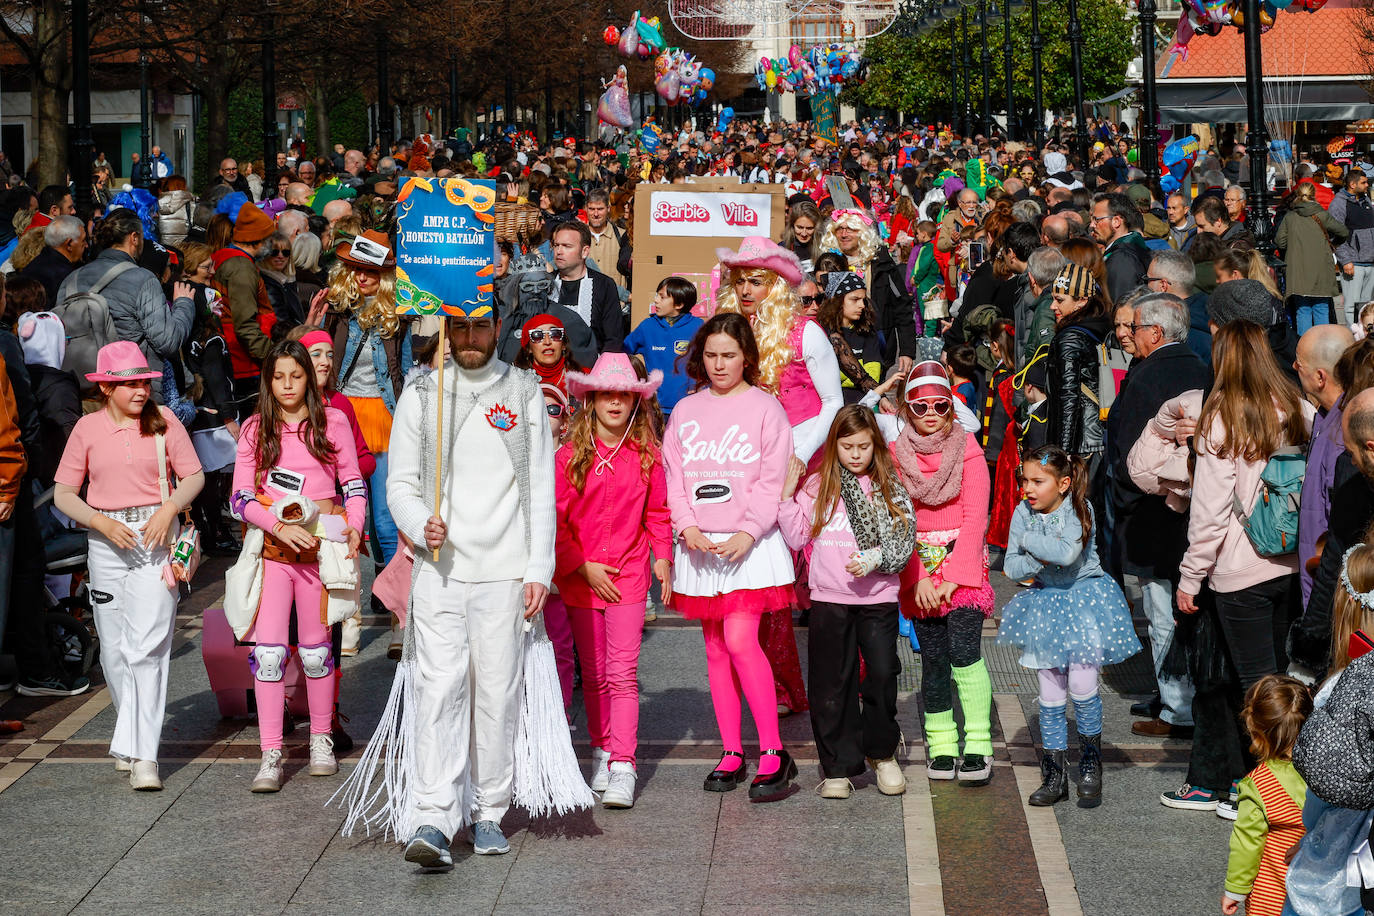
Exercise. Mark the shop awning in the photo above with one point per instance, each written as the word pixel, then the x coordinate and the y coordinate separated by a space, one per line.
pixel 1211 102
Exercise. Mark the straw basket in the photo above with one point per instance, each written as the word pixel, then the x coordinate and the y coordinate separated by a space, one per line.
pixel 517 223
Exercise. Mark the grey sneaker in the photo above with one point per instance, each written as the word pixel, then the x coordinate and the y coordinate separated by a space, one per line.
pixel 53 686
pixel 488 840
pixel 428 849
pixel 620 787
pixel 601 761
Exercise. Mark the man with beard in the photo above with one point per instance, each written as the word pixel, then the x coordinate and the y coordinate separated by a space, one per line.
pixel 1352 509
pixel 493 531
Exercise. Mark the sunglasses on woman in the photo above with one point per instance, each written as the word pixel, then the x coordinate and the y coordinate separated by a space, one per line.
pixel 812 300
pixel 921 408
pixel 281 252
pixel 555 410
pixel 551 334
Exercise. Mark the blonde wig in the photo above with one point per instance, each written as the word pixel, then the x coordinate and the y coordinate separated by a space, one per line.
pixel 868 239
pixel 773 319
pixel 378 315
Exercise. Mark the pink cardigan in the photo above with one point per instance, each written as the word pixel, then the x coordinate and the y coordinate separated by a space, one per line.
pixel 1218 548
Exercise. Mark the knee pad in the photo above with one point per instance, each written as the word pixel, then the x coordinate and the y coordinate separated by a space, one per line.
pixel 316 661
pixel 268 662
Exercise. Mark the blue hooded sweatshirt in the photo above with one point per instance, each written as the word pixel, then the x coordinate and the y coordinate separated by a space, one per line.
pixel 662 345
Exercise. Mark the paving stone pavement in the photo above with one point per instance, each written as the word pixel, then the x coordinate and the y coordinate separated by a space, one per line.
pixel 77 840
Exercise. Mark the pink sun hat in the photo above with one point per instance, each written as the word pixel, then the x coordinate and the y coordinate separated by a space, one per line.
pixel 121 361
pixel 613 372
pixel 764 254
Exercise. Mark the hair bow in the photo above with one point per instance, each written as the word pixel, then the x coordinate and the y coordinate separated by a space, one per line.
pixel 844 212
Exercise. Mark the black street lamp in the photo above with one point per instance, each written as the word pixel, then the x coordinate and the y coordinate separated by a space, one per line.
pixel 269 111
pixel 454 103
pixel 1037 43
pixel 987 68
pixel 145 125
pixel 1076 59
pixel 1261 227
pixel 954 106
pixel 386 123
pixel 1149 131
pixel 968 68
pixel 1013 124
pixel 81 106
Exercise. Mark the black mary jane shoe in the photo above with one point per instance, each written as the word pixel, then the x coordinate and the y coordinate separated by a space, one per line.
pixel 724 780
pixel 776 785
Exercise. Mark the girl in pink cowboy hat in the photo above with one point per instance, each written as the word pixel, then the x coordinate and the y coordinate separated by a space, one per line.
pixel 797 364
pixel 612 508
pixel 140 470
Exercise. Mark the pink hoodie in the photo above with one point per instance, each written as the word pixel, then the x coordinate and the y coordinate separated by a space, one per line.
pixel 1218 547
pixel 831 550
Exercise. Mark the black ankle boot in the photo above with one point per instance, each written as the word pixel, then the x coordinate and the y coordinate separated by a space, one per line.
pixel 774 786
pixel 722 780
pixel 1089 771
pixel 1054 782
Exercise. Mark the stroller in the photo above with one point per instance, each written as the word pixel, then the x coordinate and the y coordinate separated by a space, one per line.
pixel 69 621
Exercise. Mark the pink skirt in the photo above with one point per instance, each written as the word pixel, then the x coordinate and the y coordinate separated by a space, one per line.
pixel 754 601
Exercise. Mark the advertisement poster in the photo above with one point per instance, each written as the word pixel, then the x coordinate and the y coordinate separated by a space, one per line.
pixel 823 110
pixel 445 247
pixel 697 214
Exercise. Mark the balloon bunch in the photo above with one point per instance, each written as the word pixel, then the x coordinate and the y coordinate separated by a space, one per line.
pixel 1209 17
pixel 823 68
pixel 680 78
pixel 642 38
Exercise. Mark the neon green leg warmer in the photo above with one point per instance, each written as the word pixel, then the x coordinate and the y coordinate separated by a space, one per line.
pixel 975 696
pixel 942 734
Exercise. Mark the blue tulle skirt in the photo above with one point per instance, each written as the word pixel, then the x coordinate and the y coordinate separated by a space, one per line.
pixel 1088 623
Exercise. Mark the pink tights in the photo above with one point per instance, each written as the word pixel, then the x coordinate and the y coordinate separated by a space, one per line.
pixel 283 583
pixel 735 664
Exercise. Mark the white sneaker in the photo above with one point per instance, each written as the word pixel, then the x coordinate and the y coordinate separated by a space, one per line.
pixel 143 776
pixel 601 759
pixel 322 762
pixel 269 773
pixel 835 787
pixel 891 780
pixel 620 786
pixel 123 765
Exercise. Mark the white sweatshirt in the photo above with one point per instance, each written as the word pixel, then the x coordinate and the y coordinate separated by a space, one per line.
pixel 481 497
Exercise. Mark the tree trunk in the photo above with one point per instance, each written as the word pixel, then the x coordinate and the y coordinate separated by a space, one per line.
pixel 216 124
pixel 321 119
pixel 49 93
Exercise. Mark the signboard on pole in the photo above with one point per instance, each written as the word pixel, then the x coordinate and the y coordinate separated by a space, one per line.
pixel 445 247
pixel 823 109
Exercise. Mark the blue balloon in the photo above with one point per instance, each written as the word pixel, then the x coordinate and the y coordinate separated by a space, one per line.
pixel 727 115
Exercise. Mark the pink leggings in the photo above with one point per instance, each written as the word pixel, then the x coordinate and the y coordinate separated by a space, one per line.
pixel 608 645
pixel 560 632
pixel 735 663
pixel 283 583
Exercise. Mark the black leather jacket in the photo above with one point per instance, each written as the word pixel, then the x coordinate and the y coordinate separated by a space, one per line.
pixel 1075 423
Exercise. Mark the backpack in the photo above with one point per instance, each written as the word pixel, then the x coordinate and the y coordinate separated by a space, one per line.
pixel 1272 523
pixel 86 317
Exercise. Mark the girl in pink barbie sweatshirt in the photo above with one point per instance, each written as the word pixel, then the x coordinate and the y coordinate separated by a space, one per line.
pixel 295 449
pixel 612 508
pixel 945 588
pixel 726 452
pixel 1233 443
pixel 855 514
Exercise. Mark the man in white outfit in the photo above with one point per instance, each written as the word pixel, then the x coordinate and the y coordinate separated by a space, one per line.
pixel 494 530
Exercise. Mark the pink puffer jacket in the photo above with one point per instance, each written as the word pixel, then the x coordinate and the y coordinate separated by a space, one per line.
pixel 1157 462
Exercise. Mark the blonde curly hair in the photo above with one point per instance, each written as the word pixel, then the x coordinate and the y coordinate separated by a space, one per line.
pixel 774 317
pixel 868 239
pixel 379 315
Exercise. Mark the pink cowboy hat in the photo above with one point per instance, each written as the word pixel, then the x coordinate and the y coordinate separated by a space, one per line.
pixel 121 361
pixel 764 254
pixel 613 372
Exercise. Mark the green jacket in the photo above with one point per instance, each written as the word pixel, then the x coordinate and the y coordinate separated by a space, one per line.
pixel 1252 826
pixel 1306 236
pixel 1041 327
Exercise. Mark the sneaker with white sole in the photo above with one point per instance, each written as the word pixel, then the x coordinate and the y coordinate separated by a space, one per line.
pixel 891 780
pixel 1227 810
pixel 488 840
pixel 322 762
pixel 835 787
pixel 143 776
pixel 269 772
pixel 123 765
pixel 601 761
pixel 620 786
pixel 941 767
pixel 1190 798
pixel 428 849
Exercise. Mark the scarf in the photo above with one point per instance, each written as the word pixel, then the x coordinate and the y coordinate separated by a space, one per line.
pixel 874 526
pixel 552 375
pixel 583 307
pixel 944 486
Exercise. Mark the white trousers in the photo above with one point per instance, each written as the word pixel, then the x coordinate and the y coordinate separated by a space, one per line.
pixel 468 642
pixel 135 615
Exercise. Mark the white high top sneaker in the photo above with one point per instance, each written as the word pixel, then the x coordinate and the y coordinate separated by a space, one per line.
pixel 269 773
pixel 601 759
pixel 322 762
pixel 620 786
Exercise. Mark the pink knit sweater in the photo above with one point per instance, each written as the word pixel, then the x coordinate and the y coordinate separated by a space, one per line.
pixel 967 513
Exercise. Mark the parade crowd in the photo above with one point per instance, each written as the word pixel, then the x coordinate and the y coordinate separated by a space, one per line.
pixel 960 358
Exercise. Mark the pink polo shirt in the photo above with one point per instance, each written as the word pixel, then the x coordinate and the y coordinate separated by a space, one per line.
pixel 121 463
pixel 616 518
